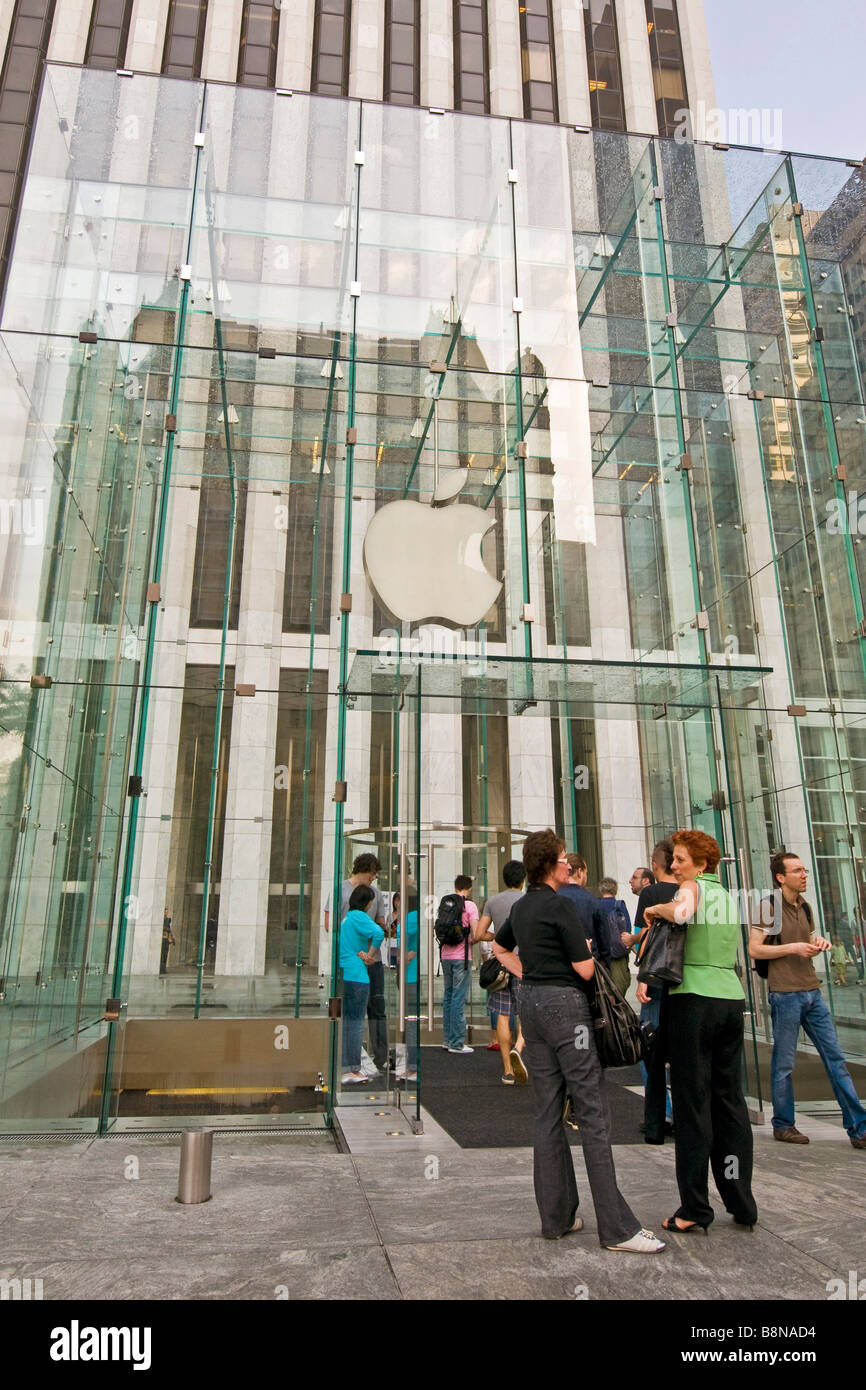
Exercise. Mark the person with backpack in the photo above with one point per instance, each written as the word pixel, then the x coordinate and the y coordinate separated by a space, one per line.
pixel 617 923
pixel 783 948
pixel 502 1004
pixel 453 927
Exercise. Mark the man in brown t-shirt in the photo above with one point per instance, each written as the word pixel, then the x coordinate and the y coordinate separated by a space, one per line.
pixel 796 1002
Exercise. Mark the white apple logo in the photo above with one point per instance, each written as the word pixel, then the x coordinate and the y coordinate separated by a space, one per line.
pixel 425 562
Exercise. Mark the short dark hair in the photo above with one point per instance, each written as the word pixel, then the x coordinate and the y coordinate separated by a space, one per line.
pixel 663 850
pixel 647 874
pixel 513 874
pixel 777 864
pixel 541 850
pixel 462 881
pixel 361 897
pixel 576 863
pixel 366 864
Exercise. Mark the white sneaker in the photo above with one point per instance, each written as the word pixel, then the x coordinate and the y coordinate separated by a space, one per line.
pixel 643 1243
pixel 462 1049
pixel 353 1078
pixel 406 1075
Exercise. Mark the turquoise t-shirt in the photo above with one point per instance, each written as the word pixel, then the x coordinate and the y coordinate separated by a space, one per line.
pixel 357 931
pixel 412 939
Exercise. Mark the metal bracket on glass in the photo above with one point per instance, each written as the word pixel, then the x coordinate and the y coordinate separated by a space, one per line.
pixel 198 140
pixel 123 72
pixel 797 711
pixel 359 157
pixel 404 885
pixel 284 92
pixel 355 289
pixel 512 176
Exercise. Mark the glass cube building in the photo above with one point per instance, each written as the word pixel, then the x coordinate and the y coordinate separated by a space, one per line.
pixel 395 480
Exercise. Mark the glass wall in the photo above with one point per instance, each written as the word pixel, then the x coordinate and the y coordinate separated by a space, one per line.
pixel 378 478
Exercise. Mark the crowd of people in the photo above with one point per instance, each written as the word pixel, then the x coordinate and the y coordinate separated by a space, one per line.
pixel 546 940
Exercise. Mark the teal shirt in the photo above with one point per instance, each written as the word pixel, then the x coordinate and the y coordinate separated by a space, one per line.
pixel 357 931
pixel 711 945
pixel 412 939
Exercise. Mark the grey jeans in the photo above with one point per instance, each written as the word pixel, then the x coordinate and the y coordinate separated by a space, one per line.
pixel 560 1051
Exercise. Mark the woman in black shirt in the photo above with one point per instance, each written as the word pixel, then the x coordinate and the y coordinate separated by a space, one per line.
pixel 556 969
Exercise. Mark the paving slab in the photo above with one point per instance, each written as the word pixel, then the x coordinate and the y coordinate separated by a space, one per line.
pixel 266 1272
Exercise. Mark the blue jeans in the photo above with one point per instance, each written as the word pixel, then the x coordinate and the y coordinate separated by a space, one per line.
pixel 807 1009
pixel 457 976
pixel 355 998
pixel 649 1013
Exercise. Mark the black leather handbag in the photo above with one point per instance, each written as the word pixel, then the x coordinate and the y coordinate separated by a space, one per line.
pixel 662 952
pixel 618 1037
pixel 493 976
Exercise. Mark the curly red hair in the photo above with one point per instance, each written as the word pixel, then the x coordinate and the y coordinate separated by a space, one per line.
pixel 700 846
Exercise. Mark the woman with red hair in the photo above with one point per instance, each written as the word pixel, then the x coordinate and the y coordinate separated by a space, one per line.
pixel 705 1022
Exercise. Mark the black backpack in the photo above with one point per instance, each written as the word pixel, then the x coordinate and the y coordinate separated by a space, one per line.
pixel 762 967
pixel 449 921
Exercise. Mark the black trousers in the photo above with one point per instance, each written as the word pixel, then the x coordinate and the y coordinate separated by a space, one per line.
pixel 376 1015
pixel 656 1085
pixel 705 1038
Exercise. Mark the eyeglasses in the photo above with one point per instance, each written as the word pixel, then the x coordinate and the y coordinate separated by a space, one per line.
pixel 563 861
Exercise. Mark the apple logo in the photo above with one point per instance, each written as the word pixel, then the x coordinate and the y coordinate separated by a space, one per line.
pixel 425 562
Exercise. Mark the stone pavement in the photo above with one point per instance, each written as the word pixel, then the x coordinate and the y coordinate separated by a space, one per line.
pixel 294 1217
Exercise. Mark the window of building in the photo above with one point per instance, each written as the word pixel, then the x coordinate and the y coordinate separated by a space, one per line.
pixel 25 52
pixel 471 62
pixel 331 33
pixel 109 29
pixel 257 62
pixel 666 53
pixel 602 56
pixel 403 52
pixel 537 61
pixel 184 38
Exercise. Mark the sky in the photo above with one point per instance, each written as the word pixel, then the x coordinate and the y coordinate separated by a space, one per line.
pixel 804 58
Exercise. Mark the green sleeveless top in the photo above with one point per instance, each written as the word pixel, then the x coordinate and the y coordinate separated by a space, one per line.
pixel 711 945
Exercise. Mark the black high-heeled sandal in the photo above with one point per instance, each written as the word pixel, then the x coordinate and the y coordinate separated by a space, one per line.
pixel 671 1225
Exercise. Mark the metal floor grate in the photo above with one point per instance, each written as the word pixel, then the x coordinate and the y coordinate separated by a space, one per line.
pixel 87 1136
pixel 128 1134
pixel 71 1136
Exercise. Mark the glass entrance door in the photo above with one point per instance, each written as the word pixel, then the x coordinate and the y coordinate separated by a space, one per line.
pixel 418 865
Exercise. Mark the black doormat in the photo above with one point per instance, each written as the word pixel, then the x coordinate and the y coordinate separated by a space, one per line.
pixel 466 1097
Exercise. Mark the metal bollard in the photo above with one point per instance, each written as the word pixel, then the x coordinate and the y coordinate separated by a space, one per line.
pixel 196 1151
